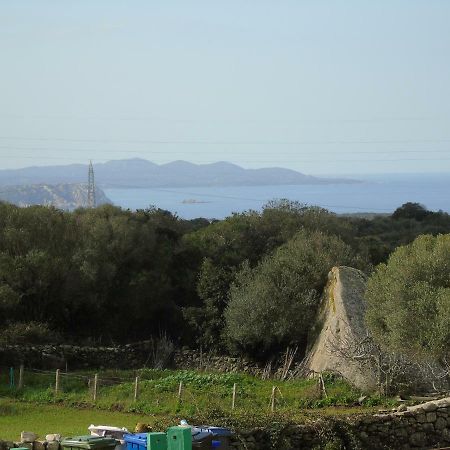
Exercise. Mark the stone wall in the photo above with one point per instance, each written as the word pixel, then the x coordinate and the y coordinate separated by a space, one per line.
pixel 419 426
pixel 195 360
pixel 132 356
pixel 56 356
pixel 423 426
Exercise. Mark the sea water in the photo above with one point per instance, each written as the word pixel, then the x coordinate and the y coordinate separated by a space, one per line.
pixel 376 193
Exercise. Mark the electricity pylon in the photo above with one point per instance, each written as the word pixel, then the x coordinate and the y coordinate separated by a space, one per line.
pixel 91 203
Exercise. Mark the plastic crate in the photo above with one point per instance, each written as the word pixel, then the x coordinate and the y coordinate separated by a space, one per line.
pixel 89 443
pixel 157 441
pixel 179 438
pixel 136 441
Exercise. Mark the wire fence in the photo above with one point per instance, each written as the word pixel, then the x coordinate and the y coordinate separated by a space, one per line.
pixel 93 386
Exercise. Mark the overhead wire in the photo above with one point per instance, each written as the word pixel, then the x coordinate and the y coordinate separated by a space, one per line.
pixel 231 142
pixel 277 162
pixel 100 150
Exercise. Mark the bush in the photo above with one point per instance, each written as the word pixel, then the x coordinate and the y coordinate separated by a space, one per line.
pixel 411 211
pixel 271 306
pixel 28 333
pixel 409 299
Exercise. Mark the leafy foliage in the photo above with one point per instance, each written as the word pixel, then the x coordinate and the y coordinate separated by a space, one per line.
pixel 247 238
pixel 271 306
pixel 382 234
pixel 409 298
pixel 19 333
pixel 108 275
pixel 411 211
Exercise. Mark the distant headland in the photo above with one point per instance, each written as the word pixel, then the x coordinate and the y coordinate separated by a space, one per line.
pixel 141 173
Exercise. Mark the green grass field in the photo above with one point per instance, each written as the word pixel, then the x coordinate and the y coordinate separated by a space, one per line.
pixel 16 417
pixel 206 397
pixel 158 391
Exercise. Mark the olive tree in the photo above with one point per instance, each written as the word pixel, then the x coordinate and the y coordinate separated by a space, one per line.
pixel 409 299
pixel 272 305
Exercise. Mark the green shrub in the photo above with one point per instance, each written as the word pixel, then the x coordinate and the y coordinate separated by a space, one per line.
pixel 271 306
pixel 28 333
pixel 409 299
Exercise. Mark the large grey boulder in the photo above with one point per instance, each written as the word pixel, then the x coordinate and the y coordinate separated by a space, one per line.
pixel 340 337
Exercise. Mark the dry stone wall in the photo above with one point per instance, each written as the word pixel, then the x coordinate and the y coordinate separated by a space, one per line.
pixel 132 356
pixel 420 426
pixel 195 360
pixel 56 356
pixel 424 426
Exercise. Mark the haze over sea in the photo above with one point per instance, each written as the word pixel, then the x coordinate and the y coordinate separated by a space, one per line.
pixel 377 193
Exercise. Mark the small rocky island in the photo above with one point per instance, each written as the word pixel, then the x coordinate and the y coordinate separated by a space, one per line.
pixel 193 201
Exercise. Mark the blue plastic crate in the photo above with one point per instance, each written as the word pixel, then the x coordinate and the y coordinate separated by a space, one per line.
pixel 136 441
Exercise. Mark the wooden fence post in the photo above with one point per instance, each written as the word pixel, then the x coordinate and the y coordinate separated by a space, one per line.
pixel 21 372
pixel 136 388
pixel 272 400
pixel 94 392
pixel 180 390
pixel 57 382
pixel 322 385
pixel 233 402
pixel 11 378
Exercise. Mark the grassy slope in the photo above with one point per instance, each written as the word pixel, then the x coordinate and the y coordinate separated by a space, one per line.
pixel 16 417
pixel 206 398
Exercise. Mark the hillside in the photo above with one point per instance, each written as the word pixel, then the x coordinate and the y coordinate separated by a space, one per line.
pixel 142 173
pixel 62 196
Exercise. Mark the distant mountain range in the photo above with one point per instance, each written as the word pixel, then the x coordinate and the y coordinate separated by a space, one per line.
pixel 136 173
pixel 62 196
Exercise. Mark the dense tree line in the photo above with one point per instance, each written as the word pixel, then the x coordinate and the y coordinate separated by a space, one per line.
pixel 247 284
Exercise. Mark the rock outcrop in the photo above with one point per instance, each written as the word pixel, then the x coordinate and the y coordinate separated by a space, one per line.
pixel 340 330
pixel 62 196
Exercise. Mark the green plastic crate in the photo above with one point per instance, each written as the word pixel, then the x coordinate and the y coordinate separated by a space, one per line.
pixel 156 441
pixel 88 443
pixel 179 438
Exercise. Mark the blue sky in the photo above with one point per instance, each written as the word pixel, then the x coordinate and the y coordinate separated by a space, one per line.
pixel 318 86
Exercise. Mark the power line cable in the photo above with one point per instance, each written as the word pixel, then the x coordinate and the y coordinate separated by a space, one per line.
pixel 277 161
pixel 152 118
pixel 224 142
pixel 90 150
